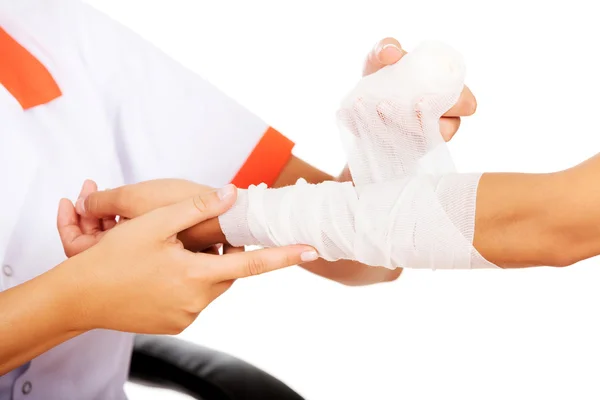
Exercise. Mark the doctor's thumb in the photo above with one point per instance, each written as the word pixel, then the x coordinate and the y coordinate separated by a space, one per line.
pixel 175 218
pixel 107 203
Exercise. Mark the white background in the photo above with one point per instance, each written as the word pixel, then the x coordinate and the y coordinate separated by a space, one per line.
pixel 533 65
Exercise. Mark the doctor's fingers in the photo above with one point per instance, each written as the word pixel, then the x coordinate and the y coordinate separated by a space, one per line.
pixel 89 224
pixel 121 201
pixel 67 223
pixel 239 264
pixel 170 220
pixel 74 241
pixel 131 201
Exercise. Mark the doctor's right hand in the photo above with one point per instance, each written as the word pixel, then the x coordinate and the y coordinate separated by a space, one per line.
pixel 139 278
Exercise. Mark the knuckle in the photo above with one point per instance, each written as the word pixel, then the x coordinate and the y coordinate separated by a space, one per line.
pixel 120 201
pixel 467 102
pixel 255 266
pixel 207 202
pixel 91 203
pixel 472 106
pixel 194 276
pixel 456 124
pixel 285 260
pixel 288 260
pixel 201 203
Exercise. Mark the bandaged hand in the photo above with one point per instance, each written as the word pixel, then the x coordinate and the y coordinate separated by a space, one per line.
pixel 408 207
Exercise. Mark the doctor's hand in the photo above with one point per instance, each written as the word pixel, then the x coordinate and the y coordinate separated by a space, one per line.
pixel 139 278
pixel 95 211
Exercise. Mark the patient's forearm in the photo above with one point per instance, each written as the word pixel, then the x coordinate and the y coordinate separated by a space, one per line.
pixel 521 220
pixel 346 272
pixel 514 222
pixel 539 219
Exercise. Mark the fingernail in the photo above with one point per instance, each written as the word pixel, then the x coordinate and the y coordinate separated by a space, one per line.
pixel 309 256
pixel 392 46
pixel 225 192
pixel 389 53
pixel 80 205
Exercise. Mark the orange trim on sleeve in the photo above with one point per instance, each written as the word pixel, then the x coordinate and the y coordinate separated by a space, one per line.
pixel 266 161
pixel 23 75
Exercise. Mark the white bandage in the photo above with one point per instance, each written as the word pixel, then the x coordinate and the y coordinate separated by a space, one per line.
pixel 408 207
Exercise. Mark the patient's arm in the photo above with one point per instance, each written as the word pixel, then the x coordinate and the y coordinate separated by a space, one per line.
pixel 526 220
pixel 522 220
pixel 408 206
pixel 349 272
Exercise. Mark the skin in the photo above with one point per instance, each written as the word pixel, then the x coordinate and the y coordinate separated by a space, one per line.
pixel 386 52
pixel 134 200
pixel 527 220
pixel 161 286
pixel 522 220
pixel 72 298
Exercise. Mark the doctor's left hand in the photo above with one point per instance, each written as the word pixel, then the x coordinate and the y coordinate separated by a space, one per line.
pixel 95 213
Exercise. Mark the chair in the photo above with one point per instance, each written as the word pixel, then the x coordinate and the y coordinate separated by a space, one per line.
pixel 201 373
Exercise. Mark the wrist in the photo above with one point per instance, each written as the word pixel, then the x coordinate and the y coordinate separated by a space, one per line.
pixel 76 295
pixel 37 315
pixel 202 236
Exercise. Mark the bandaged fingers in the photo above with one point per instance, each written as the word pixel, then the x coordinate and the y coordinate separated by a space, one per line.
pixel 390 121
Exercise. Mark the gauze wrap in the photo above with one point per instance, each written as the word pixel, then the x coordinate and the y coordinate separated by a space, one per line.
pixel 407 207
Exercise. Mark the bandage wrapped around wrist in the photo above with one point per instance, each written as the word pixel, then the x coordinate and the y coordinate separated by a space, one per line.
pixel 407 207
